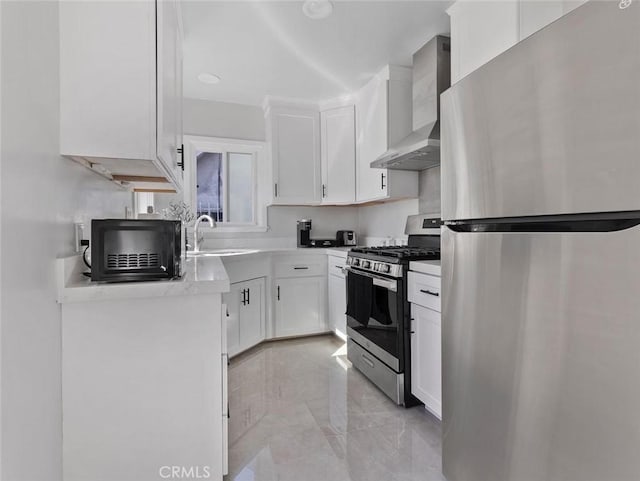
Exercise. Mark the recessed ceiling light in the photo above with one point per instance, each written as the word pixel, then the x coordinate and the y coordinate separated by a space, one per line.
pixel 317 9
pixel 208 78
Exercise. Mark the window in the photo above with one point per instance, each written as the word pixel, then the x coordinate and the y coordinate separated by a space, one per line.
pixel 224 186
pixel 222 177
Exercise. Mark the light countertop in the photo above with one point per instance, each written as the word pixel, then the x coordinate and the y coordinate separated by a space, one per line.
pixel 203 275
pixel 426 267
pixel 244 252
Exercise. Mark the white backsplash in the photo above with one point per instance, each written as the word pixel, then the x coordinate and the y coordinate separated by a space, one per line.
pixel 248 242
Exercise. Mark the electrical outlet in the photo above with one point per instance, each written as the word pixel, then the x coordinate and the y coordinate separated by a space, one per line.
pixel 128 213
pixel 79 235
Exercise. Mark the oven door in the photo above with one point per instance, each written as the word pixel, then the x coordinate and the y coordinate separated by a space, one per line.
pixel 379 330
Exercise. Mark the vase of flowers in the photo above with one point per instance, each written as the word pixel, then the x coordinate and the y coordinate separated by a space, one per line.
pixel 182 212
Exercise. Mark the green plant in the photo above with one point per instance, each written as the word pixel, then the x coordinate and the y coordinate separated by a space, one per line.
pixel 179 211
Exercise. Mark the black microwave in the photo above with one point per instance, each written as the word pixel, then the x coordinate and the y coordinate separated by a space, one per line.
pixel 135 250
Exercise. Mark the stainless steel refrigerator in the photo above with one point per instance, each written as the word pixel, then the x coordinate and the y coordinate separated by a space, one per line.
pixel 541 256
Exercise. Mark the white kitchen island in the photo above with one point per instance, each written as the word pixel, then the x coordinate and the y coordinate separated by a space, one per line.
pixel 144 375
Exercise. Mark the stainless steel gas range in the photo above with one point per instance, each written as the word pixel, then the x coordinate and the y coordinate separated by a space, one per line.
pixel 378 314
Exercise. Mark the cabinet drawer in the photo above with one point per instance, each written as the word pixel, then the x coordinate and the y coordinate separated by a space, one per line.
pixel 300 266
pixel 424 290
pixel 335 265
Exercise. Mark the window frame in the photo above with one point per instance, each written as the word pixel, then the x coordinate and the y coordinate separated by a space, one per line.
pixel 195 144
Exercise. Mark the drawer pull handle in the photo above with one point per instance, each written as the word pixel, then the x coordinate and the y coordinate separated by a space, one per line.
pixel 300 268
pixel 368 361
pixel 431 293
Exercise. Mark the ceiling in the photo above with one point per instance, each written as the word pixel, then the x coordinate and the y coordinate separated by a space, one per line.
pixel 261 48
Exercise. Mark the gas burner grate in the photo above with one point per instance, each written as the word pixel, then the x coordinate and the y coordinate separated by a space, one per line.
pixel 400 252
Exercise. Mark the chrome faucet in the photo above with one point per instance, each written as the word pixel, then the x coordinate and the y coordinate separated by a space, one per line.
pixel 196 240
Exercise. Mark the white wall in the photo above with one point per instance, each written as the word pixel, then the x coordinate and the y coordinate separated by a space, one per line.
pixel 379 222
pixel 383 221
pixel 282 227
pixel 222 119
pixel 430 191
pixel 41 195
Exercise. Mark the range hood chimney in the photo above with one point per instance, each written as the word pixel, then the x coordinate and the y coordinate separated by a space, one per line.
pixel 420 150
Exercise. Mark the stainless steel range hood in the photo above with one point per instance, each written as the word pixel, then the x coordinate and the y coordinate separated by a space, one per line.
pixel 420 150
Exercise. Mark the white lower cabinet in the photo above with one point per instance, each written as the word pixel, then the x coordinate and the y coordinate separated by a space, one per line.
pixel 225 389
pixel 424 292
pixel 246 321
pixel 161 400
pixel 337 296
pixel 300 306
pixel 426 358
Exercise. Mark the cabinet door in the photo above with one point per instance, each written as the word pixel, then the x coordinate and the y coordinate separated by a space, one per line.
pixel 107 82
pixel 338 154
pixel 372 112
pixel 300 306
pixel 535 15
pixel 480 31
pixel 169 78
pixel 296 156
pixel 426 358
pixel 252 313
pixel 338 305
pixel 233 301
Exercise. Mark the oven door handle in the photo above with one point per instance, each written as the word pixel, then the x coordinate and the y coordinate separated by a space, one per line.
pixel 377 281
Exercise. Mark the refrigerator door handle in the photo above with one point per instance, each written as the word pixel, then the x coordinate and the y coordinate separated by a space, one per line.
pixel 561 223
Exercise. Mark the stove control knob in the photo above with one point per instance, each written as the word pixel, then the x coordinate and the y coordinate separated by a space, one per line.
pixel 385 268
pixel 366 264
pixel 356 262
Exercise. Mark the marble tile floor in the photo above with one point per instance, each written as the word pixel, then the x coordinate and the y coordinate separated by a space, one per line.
pixel 300 412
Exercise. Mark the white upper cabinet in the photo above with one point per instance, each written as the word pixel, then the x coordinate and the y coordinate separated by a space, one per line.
pixel 111 119
pixel 169 85
pixel 338 155
pixel 383 117
pixel 294 134
pixel 536 14
pixel 482 30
